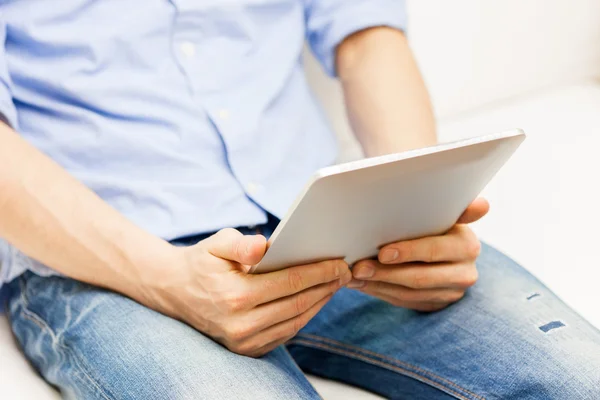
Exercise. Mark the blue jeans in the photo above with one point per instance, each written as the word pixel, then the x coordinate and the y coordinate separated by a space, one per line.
pixel 509 338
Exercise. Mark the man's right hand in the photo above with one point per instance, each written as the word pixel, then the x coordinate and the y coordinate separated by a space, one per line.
pixel 249 314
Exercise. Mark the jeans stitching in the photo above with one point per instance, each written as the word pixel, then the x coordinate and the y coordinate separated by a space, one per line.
pixel 39 321
pixel 382 364
pixel 389 359
pixel 31 315
pixel 27 314
pixel 93 381
pixel 378 363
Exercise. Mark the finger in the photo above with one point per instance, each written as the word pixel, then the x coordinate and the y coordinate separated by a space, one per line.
pixel 476 210
pixel 288 281
pixel 419 276
pixel 409 295
pixel 230 244
pixel 460 243
pixel 269 314
pixel 417 306
pixel 279 333
pixel 269 348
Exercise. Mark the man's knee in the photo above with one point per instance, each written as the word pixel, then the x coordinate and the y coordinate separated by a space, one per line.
pixel 570 378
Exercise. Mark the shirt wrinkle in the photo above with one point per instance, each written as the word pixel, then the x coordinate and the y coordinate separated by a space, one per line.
pixel 185 116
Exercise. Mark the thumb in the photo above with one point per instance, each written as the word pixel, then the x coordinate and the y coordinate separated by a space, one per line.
pixel 476 210
pixel 231 245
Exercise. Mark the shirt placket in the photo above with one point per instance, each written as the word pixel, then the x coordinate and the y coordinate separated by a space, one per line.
pixel 196 58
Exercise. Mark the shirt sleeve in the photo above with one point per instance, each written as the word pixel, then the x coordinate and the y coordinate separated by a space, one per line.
pixel 329 22
pixel 8 112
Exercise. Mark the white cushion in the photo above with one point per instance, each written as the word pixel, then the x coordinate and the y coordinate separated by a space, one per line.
pixel 546 201
pixel 18 380
pixel 475 52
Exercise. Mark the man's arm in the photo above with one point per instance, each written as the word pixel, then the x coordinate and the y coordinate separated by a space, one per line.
pixel 390 111
pixel 55 219
pixel 387 102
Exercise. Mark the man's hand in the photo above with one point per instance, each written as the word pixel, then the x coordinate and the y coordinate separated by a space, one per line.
pixel 249 314
pixel 425 274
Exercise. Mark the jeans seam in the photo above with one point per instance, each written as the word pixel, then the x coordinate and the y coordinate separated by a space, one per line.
pixel 386 361
pixel 33 316
pixel 297 366
pixel 348 353
pixel 391 360
pixel 39 321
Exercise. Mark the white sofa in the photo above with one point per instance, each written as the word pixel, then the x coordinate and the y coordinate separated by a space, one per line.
pixel 490 66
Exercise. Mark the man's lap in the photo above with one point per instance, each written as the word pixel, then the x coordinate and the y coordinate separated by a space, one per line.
pixel 503 340
pixel 96 344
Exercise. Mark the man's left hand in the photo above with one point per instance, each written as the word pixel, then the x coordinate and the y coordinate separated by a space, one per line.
pixel 425 274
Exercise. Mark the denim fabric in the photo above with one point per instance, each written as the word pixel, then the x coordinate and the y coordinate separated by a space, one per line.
pixel 509 338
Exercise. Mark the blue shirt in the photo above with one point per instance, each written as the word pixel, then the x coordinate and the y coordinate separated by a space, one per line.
pixel 186 116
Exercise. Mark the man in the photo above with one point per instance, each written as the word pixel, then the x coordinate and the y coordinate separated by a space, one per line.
pixel 135 129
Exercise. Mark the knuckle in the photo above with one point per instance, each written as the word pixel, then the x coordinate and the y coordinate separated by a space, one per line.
pixel 237 333
pixel 301 303
pixel 469 277
pixel 405 251
pixel 295 280
pixel 235 302
pixel 268 285
pixel 332 269
pixel 473 248
pixel 245 349
pixel 230 235
pixel 419 279
pixel 433 252
pixel 226 233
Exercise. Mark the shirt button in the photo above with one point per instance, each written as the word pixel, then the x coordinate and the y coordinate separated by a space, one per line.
pixel 253 188
pixel 188 49
pixel 223 114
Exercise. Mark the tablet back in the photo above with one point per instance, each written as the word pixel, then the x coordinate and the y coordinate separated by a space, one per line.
pixel 350 210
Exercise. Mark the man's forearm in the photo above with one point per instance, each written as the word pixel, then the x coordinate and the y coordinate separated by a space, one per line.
pixel 387 102
pixel 51 217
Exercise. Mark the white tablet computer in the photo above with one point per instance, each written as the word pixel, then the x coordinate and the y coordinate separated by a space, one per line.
pixel 350 210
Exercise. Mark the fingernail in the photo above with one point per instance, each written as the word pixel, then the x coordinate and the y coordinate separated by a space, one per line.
pixel 364 272
pixel 389 255
pixel 355 284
